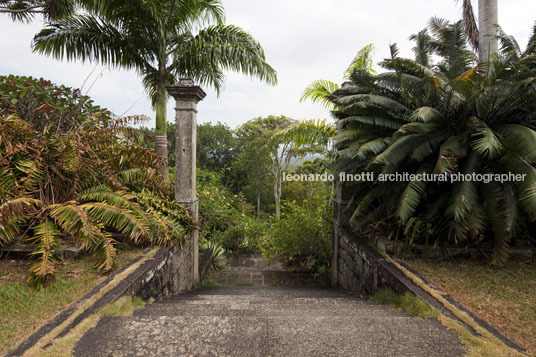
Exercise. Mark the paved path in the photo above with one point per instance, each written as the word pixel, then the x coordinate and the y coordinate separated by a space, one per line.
pixel 269 319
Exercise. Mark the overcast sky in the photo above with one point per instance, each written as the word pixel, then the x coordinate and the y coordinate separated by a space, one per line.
pixel 303 40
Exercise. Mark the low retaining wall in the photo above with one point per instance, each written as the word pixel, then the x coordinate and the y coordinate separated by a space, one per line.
pixel 169 272
pixel 362 270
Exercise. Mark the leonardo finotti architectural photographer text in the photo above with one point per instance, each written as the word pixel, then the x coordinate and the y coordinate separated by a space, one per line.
pixel 407 177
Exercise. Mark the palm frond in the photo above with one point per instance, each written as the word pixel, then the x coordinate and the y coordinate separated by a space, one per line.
pixel 487 143
pixel 519 138
pixel 362 61
pixel 105 252
pixel 531 46
pixel 425 115
pixel 471 28
pixel 449 153
pixel 410 198
pixel 307 132
pixel 422 47
pixel 89 38
pixel 222 47
pixel 218 258
pixel 320 91
pixel 465 195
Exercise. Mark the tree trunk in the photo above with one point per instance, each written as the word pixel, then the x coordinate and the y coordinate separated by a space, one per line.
pixel 277 192
pixel 259 192
pixel 488 20
pixel 161 124
pixel 260 182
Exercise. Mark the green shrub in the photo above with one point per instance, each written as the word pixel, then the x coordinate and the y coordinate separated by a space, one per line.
pixel 224 216
pixel 302 237
pixel 40 102
pixel 245 234
pixel 76 178
pixel 217 205
pixel 218 258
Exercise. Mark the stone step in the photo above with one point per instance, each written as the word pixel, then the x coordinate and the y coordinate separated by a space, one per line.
pixel 268 336
pixel 208 299
pixel 267 291
pixel 289 310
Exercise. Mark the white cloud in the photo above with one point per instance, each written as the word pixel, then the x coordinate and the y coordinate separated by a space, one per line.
pixel 303 40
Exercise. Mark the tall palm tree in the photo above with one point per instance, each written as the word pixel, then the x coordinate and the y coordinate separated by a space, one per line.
pixel 161 39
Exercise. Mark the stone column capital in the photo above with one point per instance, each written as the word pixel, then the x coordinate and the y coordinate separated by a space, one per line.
pixel 186 89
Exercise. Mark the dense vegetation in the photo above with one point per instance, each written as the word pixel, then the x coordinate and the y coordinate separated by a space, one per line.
pixel 69 171
pixel 240 187
pixel 443 113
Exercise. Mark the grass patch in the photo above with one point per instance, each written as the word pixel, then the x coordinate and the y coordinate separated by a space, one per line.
pixel 123 306
pixel 506 297
pixel 23 308
pixel 63 347
pixel 209 282
pixel 410 303
pixel 243 284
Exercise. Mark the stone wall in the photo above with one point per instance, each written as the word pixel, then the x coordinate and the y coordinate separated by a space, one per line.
pixel 356 266
pixel 363 270
pixel 169 272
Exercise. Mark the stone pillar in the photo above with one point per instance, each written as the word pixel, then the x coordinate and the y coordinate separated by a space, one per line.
pixel 340 220
pixel 187 95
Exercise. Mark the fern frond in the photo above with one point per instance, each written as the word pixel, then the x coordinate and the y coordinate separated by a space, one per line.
pixel 121 219
pixel 46 240
pixel 105 252
pixel 17 208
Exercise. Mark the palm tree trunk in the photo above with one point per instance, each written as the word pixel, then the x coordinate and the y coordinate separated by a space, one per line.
pixel 161 124
pixel 488 19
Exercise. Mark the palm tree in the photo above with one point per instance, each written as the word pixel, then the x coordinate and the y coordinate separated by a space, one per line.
pixel 451 117
pixel 159 39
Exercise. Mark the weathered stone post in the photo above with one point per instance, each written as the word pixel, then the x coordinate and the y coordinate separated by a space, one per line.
pixel 187 95
pixel 343 193
pixel 340 220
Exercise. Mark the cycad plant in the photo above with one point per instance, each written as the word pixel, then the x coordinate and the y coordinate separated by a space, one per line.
pixel 448 117
pixel 89 183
